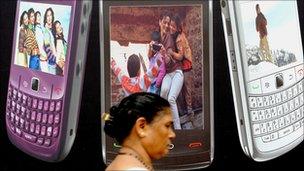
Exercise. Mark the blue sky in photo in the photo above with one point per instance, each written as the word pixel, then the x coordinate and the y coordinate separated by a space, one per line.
pixel 282 24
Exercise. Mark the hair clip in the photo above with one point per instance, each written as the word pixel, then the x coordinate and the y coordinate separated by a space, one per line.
pixel 106 117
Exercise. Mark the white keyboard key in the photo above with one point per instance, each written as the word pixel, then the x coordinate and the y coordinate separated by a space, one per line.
pixel 293 117
pixel 300 86
pixel 297 102
pixel 284 95
pixel 301 99
pixel 268 84
pixel 272 100
pixel 280 110
pixel 254 87
pixel 267 114
pixel 278 98
pixel 261 114
pixel 285 108
pixel 291 105
pixel 259 101
pixel 254 116
pixel 256 129
pixel 252 102
pixel 269 126
pixel 289 76
pixel 297 125
pixel 287 119
pixel 289 93
pixel 274 136
pixel 275 124
pixel 298 114
pixel 281 122
pixel 295 90
pixel 266 101
pixel 285 131
pixel 273 112
pixel 266 138
pixel 263 128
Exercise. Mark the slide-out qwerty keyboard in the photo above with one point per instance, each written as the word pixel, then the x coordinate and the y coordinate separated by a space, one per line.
pixel 277 115
pixel 34 119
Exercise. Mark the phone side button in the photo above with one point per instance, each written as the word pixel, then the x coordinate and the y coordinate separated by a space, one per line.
pixel 78 68
pixel 223 3
pixel 82 28
pixel 84 9
pixel 233 60
pixel 246 150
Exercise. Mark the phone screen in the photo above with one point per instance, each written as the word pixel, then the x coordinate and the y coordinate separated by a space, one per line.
pixel 273 51
pixel 130 34
pixel 185 80
pixel 42 37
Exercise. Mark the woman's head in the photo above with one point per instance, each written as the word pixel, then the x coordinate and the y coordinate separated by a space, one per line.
pixel 158 134
pixel 146 115
pixel 31 15
pixel 175 25
pixel 24 18
pixel 164 23
pixel 57 28
pixel 37 17
pixel 48 17
pixel 57 32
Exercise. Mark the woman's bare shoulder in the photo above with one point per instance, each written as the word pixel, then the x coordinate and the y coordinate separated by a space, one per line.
pixel 131 168
pixel 124 162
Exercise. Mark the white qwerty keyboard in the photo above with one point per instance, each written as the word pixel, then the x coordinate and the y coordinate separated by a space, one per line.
pixel 276 115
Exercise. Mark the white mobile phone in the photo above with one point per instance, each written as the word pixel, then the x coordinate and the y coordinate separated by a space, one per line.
pixel 46 76
pixel 126 29
pixel 265 54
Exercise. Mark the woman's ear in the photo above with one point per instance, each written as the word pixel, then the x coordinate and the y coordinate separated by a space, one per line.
pixel 141 127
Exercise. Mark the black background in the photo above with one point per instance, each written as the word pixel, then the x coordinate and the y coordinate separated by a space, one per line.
pixel 86 151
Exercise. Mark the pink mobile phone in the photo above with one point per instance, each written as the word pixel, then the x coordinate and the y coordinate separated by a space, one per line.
pixel 46 75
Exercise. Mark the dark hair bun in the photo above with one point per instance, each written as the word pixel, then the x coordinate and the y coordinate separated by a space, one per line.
pixel 124 115
pixel 110 127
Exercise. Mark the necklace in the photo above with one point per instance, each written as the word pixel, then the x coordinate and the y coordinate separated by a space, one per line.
pixel 137 157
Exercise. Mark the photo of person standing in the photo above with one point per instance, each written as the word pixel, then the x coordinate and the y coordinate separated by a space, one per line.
pixel 261 23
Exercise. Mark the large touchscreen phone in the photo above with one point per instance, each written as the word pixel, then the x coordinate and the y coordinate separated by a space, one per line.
pixel 134 36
